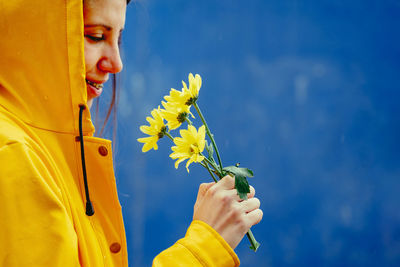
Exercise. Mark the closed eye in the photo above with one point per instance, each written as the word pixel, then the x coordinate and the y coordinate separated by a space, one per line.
pixel 95 38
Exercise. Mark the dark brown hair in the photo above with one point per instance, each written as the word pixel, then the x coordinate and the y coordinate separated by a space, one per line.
pixel 112 108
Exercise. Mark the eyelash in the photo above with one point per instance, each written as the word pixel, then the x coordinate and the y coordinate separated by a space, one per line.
pixel 95 39
pixel 98 39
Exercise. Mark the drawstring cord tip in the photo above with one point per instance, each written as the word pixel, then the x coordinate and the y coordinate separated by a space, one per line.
pixel 89 208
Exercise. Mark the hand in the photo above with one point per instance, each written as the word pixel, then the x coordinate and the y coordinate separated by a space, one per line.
pixel 219 205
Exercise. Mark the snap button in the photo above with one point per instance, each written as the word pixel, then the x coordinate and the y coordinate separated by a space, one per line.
pixel 103 151
pixel 115 247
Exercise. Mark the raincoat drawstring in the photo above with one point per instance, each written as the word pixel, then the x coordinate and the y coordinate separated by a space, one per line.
pixel 89 206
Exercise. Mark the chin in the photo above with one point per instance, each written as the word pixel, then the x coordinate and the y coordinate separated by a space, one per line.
pixel 89 102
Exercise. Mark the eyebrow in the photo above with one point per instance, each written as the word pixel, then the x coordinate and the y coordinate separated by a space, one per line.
pixel 108 28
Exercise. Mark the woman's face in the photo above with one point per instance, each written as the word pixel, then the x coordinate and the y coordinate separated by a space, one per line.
pixel 104 21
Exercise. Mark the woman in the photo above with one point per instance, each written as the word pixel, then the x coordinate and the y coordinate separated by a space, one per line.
pixel 57 187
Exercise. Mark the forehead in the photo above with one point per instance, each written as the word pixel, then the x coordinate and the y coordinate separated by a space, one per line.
pixel 108 12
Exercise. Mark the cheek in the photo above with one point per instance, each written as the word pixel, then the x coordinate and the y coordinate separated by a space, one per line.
pixel 90 57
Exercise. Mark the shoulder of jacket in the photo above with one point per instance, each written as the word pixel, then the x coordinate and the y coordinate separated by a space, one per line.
pixel 23 158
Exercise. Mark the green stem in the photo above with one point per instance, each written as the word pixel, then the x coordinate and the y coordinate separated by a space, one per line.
pixel 213 171
pixel 208 169
pixel 204 165
pixel 169 135
pixel 209 134
pixel 254 244
pixel 213 165
pixel 188 121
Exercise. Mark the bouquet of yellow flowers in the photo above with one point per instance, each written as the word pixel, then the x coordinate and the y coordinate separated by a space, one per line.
pixel 192 142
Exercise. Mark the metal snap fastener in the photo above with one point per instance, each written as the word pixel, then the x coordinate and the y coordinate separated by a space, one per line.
pixel 115 247
pixel 103 151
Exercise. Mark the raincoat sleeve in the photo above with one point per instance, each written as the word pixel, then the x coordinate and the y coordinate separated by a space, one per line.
pixel 35 229
pixel 202 246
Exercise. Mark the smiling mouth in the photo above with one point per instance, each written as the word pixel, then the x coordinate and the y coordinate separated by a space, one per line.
pixel 96 85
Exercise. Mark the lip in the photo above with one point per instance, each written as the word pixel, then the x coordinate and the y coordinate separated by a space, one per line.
pixel 94 91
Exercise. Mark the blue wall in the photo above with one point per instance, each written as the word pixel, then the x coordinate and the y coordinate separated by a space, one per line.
pixel 305 93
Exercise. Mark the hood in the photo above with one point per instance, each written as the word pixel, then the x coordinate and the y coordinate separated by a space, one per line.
pixel 42 67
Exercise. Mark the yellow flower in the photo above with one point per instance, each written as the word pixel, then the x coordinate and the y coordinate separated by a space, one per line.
pixel 189 146
pixel 188 95
pixel 174 114
pixel 156 130
pixel 192 93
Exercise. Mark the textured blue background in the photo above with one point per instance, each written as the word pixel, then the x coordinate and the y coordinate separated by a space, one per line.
pixel 303 92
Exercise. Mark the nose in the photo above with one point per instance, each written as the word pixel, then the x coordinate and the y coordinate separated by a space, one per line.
pixel 111 61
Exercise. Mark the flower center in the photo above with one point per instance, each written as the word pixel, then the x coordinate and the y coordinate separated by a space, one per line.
pixel 194 149
pixel 162 132
pixel 191 101
pixel 182 117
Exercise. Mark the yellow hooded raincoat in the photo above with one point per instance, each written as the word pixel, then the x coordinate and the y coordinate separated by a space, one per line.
pixel 42 191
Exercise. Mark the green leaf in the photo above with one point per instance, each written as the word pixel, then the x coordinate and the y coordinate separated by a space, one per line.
pixel 210 151
pixel 239 171
pixel 242 186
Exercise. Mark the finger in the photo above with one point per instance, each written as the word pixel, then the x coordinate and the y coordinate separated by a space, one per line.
pixel 228 182
pixel 234 194
pixel 203 188
pixel 252 192
pixel 254 217
pixel 250 204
